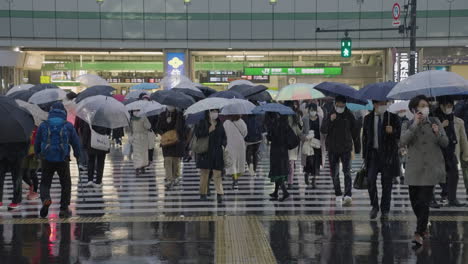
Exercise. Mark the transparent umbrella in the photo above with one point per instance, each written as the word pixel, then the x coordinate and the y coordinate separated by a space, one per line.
pixel 21 87
pixel 207 104
pixel 38 114
pixel 135 94
pixel 89 80
pixel 238 107
pixel 146 108
pixel 104 111
pixel 47 96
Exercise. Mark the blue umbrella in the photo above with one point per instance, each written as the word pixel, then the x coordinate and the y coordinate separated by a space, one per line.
pixel 376 91
pixel 334 89
pixel 145 86
pixel 173 98
pixel 207 91
pixel 357 107
pixel 273 107
pixel 228 94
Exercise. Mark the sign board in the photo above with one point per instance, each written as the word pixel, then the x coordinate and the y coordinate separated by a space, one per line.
pixel 346 47
pixel 293 71
pixel 45 79
pixel 396 13
pixel 175 63
pixel 401 66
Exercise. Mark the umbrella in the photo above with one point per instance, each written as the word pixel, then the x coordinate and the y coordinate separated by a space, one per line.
pixel 145 86
pixel 135 94
pixel 273 107
pixel 21 87
pixel 152 108
pixel 431 84
pixel 248 90
pixel 37 113
pixel 228 95
pixel 207 91
pixel 17 122
pixel 357 107
pixel 173 98
pixel 207 104
pixel 172 81
pixel 273 93
pixel 89 80
pixel 261 97
pixel 334 89
pixel 43 86
pixel 22 95
pixel 192 91
pixel 240 82
pixel 129 101
pixel 376 91
pixel 299 91
pixel 194 118
pixel 104 111
pixel 238 107
pixel 119 97
pixel 401 106
pixel 95 90
pixel 47 96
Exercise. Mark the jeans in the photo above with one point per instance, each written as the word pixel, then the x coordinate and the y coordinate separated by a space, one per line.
pixel 96 160
pixel 252 155
pixel 421 197
pixel 374 166
pixel 15 168
pixel 150 155
pixel 30 178
pixel 334 159
pixel 83 156
pixel 63 171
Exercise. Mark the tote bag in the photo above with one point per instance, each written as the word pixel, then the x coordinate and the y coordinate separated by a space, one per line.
pixel 99 142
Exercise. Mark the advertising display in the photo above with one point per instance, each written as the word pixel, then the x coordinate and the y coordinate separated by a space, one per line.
pixel 293 71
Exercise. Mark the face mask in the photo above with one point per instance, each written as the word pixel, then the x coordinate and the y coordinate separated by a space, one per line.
pixel 313 113
pixel 214 115
pixel 381 109
pixel 339 110
pixel 402 114
pixel 424 111
pixel 448 110
pixel 170 108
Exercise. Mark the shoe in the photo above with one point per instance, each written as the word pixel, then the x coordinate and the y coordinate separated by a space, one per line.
pixel 395 181
pixel 251 170
pixel 203 197
pixel 434 204
pixel 314 185
pixel 444 200
pixel 65 213
pixel 373 213
pixel 1 204
pixel 45 208
pixel 220 198
pixel 14 206
pixel 169 185
pixel 285 197
pixel 235 185
pixel 347 201
pixel 456 203
pixel 290 186
pixel 384 217
pixel 97 185
pixel 418 240
pixel 177 181
pixel 339 199
pixel 306 179
pixel 90 184
pixel 274 196
pixel 32 196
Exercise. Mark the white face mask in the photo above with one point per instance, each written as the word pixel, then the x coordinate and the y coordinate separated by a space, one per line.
pixel 448 110
pixel 214 115
pixel 424 111
pixel 170 108
pixel 339 110
pixel 402 114
pixel 382 109
pixel 313 113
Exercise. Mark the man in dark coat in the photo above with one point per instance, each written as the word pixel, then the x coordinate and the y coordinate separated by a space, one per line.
pixel 380 139
pixel 11 156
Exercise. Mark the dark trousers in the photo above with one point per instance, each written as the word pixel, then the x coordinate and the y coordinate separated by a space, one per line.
pixel 252 155
pixel 334 159
pixel 96 162
pixel 31 179
pixel 449 189
pixel 15 168
pixel 63 171
pixel 374 166
pixel 421 197
pixel 150 155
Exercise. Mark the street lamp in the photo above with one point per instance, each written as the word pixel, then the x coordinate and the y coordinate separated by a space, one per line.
pixel 187 2
pixel 273 2
pixel 100 2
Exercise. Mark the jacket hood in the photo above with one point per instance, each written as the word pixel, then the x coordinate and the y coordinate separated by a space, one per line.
pixel 57 113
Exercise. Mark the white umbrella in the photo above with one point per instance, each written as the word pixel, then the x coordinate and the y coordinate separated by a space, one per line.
pixel 135 94
pixel 401 106
pixel 21 87
pixel 146 108
pixel 239 82
pixel 238 107
pixel 173 81
pixel 207 104
pixel 104 111
pixel 431 84
pixel 89 80
pixel 47 96
pixel 38 114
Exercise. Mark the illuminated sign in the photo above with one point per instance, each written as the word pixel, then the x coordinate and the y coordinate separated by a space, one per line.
pixel 175 63
pixel 401 66
pixel 293 71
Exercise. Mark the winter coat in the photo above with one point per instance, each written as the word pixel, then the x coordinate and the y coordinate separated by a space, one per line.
pixel 461 111
pixel 389 148
pixel 139 128
pixel 213 159
pixel 176 122
pixel 279 156
pixel 305 132
pixel 425 165
pixel 235 133
pixel 461 150
pixel 254 127
pixel 341 133
pixel 295 122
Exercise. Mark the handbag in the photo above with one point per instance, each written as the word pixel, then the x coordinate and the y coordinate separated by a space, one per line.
pixel 200 145
pixel 169 138
pixel 99 142
pixel 292 140
pixel 360 181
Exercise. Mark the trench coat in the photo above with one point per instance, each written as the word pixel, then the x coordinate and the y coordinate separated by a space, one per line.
pixel 235 133
pixel 139 132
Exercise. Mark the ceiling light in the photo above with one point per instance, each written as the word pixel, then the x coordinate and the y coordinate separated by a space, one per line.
pixel 255 56
pixel 235 56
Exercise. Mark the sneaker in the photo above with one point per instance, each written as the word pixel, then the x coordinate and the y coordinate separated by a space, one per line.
pixel 274 196
pixel 32 196
pixel 347 201
pixel 45 208
pixel 434 204
pixel 14 206
pixel 177 181
pixel 65 213
pixel 284 198
pixel 90 184
pixel 203 197
pixel 97 185
pixel 339 199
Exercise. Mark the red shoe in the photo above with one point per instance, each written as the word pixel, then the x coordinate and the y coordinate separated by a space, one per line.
pixel 14 206
pixel 1 204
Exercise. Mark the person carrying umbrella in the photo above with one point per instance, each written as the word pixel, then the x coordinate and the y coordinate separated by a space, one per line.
pixel 295 122
pixel 53 141
pixel 138 138
pixel 236 131
pixel 341 134
pixel 96 157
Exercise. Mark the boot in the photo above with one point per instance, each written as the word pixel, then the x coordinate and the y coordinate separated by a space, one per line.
pixel 274 195
pixel 306 178
pixel 285 193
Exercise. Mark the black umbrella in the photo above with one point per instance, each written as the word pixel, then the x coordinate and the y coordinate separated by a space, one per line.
pixel 43 86
pixel 173 98
pixel 248 90
pixel 95 90
pixel 22 95
pixel 17 122
pixel 260 97
pixel 228 94
pixel 197 95
pixel 207 91
pixel 129 101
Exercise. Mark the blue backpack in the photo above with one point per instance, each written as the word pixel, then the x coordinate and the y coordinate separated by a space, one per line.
pixel 55 147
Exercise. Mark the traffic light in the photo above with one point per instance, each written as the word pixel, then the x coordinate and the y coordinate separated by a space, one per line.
pixel 346 47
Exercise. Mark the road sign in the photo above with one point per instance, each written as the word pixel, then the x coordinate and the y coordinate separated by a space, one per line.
pixel 346 47
pixel 396 13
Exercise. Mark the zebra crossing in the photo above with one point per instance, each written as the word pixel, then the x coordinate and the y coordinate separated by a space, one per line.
pixel 125 193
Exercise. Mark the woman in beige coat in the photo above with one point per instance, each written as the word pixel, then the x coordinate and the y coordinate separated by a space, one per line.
pixel 139 127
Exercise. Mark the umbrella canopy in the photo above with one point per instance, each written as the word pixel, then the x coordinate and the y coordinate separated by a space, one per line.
pixel 129 101
pixel 207 104
pixel 193 92
pixel 37 113
pixel 228 95
pixel 103 111
pixel 47 96
pixel 261 97
pixel 152 108
pixel 240 82
pixel 135 94
pixel 376 91
pixel 173 98
pixel 238 107
pixel 401 106
pixel 17 122
pixel 22 95
pixel 43 86
pixel 21 87
pixel 89 80
pixel 145 86
pixel 119 97
pixel 207 91
pixel 431 84
pixel 248 90
pixel 274 108
pixel 357 107
pixel 334 89
pixel 299 91
pixel 172 81
pixel 273 93
pixel 95 90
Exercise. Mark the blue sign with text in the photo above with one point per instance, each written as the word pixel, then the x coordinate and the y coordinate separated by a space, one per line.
pixel 175 63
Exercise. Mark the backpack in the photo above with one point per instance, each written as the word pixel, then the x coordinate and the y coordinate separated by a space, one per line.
pixel 55 147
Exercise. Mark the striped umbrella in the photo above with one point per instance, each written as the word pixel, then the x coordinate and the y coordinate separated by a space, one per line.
pixel 299 91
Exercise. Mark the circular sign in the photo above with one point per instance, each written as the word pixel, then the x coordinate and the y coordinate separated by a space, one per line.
pixel 396 11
